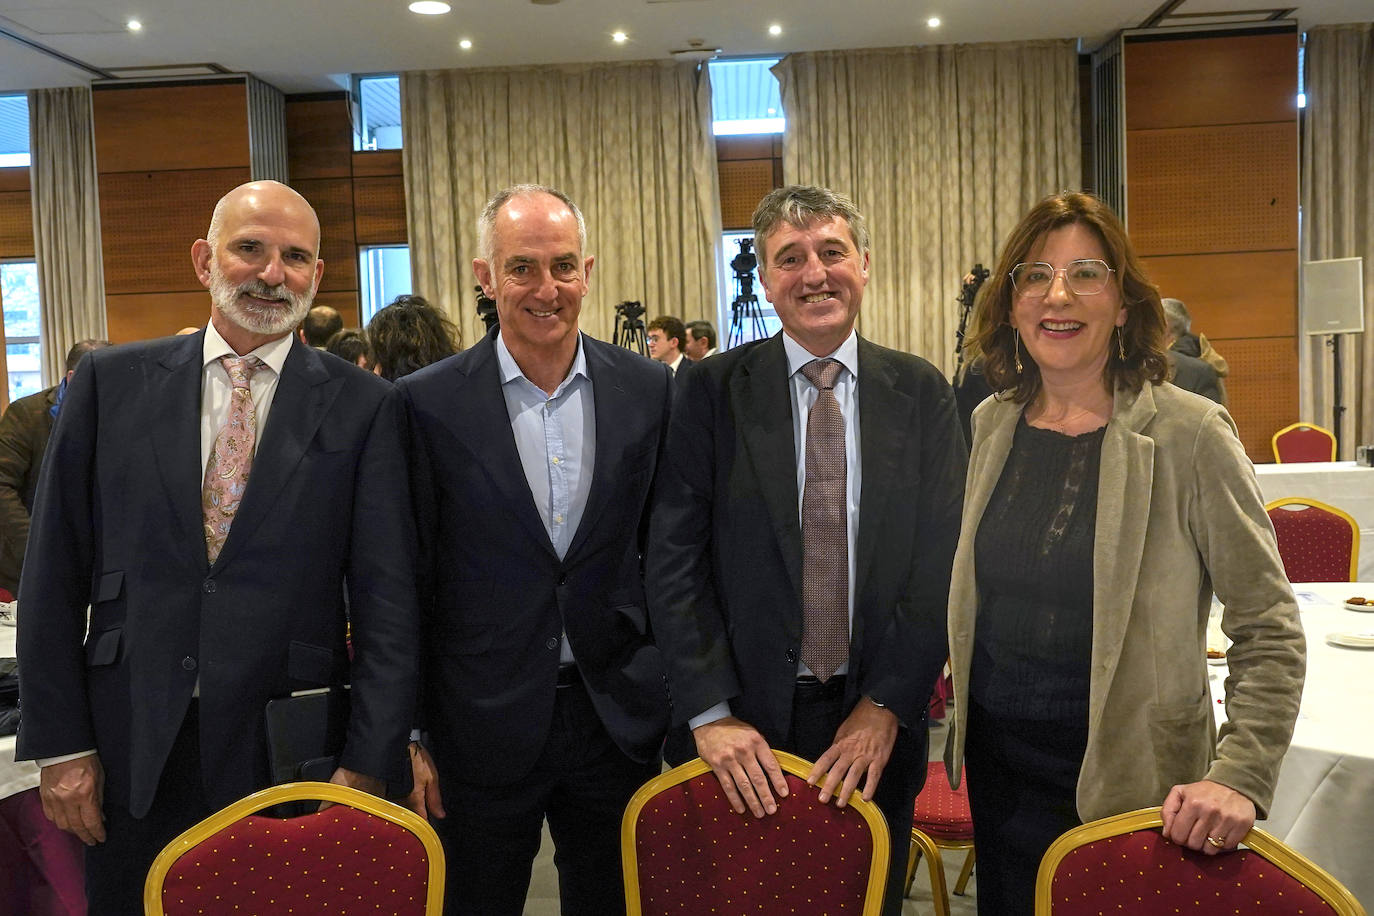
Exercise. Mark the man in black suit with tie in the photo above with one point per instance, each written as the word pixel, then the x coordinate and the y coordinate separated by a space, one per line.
pixel 210 497
pixel 802 536
pixel 543 695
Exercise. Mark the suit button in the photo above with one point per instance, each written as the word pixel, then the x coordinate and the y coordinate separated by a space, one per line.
pixel 209 586
pixel 563 579
pixel 188 663
pixel 791 656
pixel 551 643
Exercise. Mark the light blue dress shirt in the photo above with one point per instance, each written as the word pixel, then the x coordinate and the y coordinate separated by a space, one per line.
pixel 555 436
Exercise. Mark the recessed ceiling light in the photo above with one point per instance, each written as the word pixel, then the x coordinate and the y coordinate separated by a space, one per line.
pixel 465 44
pixel 429 7
pixel 619 37
pixel 775 29
pixel 133 25
pixel 933 22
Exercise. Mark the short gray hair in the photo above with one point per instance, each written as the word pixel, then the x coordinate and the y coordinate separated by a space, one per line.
pixel 1176 317
pixel 486 222
pixel 801 205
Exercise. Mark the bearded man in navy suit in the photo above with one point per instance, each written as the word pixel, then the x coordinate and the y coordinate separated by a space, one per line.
pixel 150 716
pixel 543 695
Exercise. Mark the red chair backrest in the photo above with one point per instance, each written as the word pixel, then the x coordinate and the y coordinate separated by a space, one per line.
pixel 340 861
pixel 696 855
pixel 1143 873
pixel 1314 544
pixel 1304 443
pixel 942 812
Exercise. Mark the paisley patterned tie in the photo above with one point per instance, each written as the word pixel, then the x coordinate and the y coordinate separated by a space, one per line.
pixel 226 473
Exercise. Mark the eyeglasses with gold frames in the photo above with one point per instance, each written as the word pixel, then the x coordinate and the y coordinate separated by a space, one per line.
pixel 1084 277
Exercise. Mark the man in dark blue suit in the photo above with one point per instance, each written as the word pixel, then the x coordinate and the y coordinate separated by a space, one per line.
pixel 213 591
pixel 543 695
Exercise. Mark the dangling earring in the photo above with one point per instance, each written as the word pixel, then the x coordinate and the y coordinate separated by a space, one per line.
pixel 1120 345
pixel 1016 349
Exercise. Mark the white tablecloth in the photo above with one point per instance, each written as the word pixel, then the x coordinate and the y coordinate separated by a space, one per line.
pixel 1342 484
pixel 1324 801
pixel 14 777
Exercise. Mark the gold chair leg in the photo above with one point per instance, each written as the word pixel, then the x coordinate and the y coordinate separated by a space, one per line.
pixel 964 873
pixel 939 892
pixel 913 852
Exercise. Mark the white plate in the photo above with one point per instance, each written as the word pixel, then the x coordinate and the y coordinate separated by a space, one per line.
pixel 1351 640
pixel 1362 608
pixel 1217 661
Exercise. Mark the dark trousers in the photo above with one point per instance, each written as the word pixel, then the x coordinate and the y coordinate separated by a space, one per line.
pixel 116 869
pixel 581 784
pixel 817 713
pixel 1022 787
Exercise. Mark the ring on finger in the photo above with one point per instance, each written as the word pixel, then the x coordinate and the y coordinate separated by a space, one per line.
pixel 1216 842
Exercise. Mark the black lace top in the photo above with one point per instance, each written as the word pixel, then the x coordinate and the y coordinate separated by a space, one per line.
pixel 1034 556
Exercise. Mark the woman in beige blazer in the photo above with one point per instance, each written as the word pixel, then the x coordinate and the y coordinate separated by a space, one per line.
pixel 1104 506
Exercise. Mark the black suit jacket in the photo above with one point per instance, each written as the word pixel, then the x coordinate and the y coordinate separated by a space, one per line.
pixel 725 555
pixel 494 595
pixel 118 525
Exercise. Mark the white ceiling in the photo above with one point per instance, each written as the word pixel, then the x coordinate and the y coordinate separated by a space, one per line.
pixel 302 46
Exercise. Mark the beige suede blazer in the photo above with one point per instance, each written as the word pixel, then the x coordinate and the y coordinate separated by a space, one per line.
pixel 1179 515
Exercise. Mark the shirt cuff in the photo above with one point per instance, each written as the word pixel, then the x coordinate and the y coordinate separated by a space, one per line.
pixel 417 735
pixel 720 711
pixel 49 761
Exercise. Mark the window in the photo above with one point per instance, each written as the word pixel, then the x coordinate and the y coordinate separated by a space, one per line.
pixel 745 97
pixel 746 321
pixel 383 274
pixel 379 103
pixel 14 131
pixel 19 321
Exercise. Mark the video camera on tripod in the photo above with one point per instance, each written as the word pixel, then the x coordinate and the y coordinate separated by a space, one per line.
pixel 745 306
pixel 629 327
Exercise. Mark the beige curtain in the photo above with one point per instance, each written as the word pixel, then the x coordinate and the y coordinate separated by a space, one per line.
pixel 943 149
pixel 1338 215
pixel 66 223
pixel 630 143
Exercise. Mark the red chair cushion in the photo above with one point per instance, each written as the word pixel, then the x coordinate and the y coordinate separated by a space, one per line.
pixel 1315 545
pixel 1143 873
pixel 942 813
pixel 1303 444
pixel 696 855
pixel 341 861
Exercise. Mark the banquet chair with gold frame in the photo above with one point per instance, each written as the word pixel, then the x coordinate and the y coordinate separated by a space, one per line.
pixel 1299 442
pixel 941 820
pixel 362 855
pixel 1317 542
pixel 1123 864
pixel 680 840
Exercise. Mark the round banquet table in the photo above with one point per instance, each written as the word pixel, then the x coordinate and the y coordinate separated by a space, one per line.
pixel 1324 801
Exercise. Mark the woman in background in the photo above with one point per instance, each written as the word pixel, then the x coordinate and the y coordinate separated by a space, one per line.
pixel 1103 507
pixel 409 334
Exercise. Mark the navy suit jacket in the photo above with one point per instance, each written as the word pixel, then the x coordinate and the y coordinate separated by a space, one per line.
pixel 494 595
pixel 725 553
pixel 118 526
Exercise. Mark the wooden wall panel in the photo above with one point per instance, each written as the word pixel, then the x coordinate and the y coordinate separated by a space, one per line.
pixel 319 138
pixel 332 199
pixel 1262 388
pixel 152 128
pixel 1241 294
pixel 375 163
pixel 749 146
pixel 345 301
pixel 16 224
pixel 379 206
pixel 148 222
pixel 743 183
pixel 143 316
pixel 1233 79
pixel 14 178
pixel 1211 189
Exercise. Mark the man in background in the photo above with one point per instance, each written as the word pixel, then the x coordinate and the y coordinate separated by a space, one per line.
pixel 803 532
pixel 1191 371
pixel 214 498
pixel 666 335
pixel 320 324
pixel 701 340
pixel 532 454
pixel 24 431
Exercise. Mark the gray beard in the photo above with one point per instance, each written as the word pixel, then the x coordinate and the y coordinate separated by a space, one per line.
pixel 254 318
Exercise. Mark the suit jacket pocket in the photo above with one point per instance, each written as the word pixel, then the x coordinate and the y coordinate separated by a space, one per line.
pixel 315 665
pixel 102 647
pixel 1181 740
pixel 108 586
pixel 635 615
